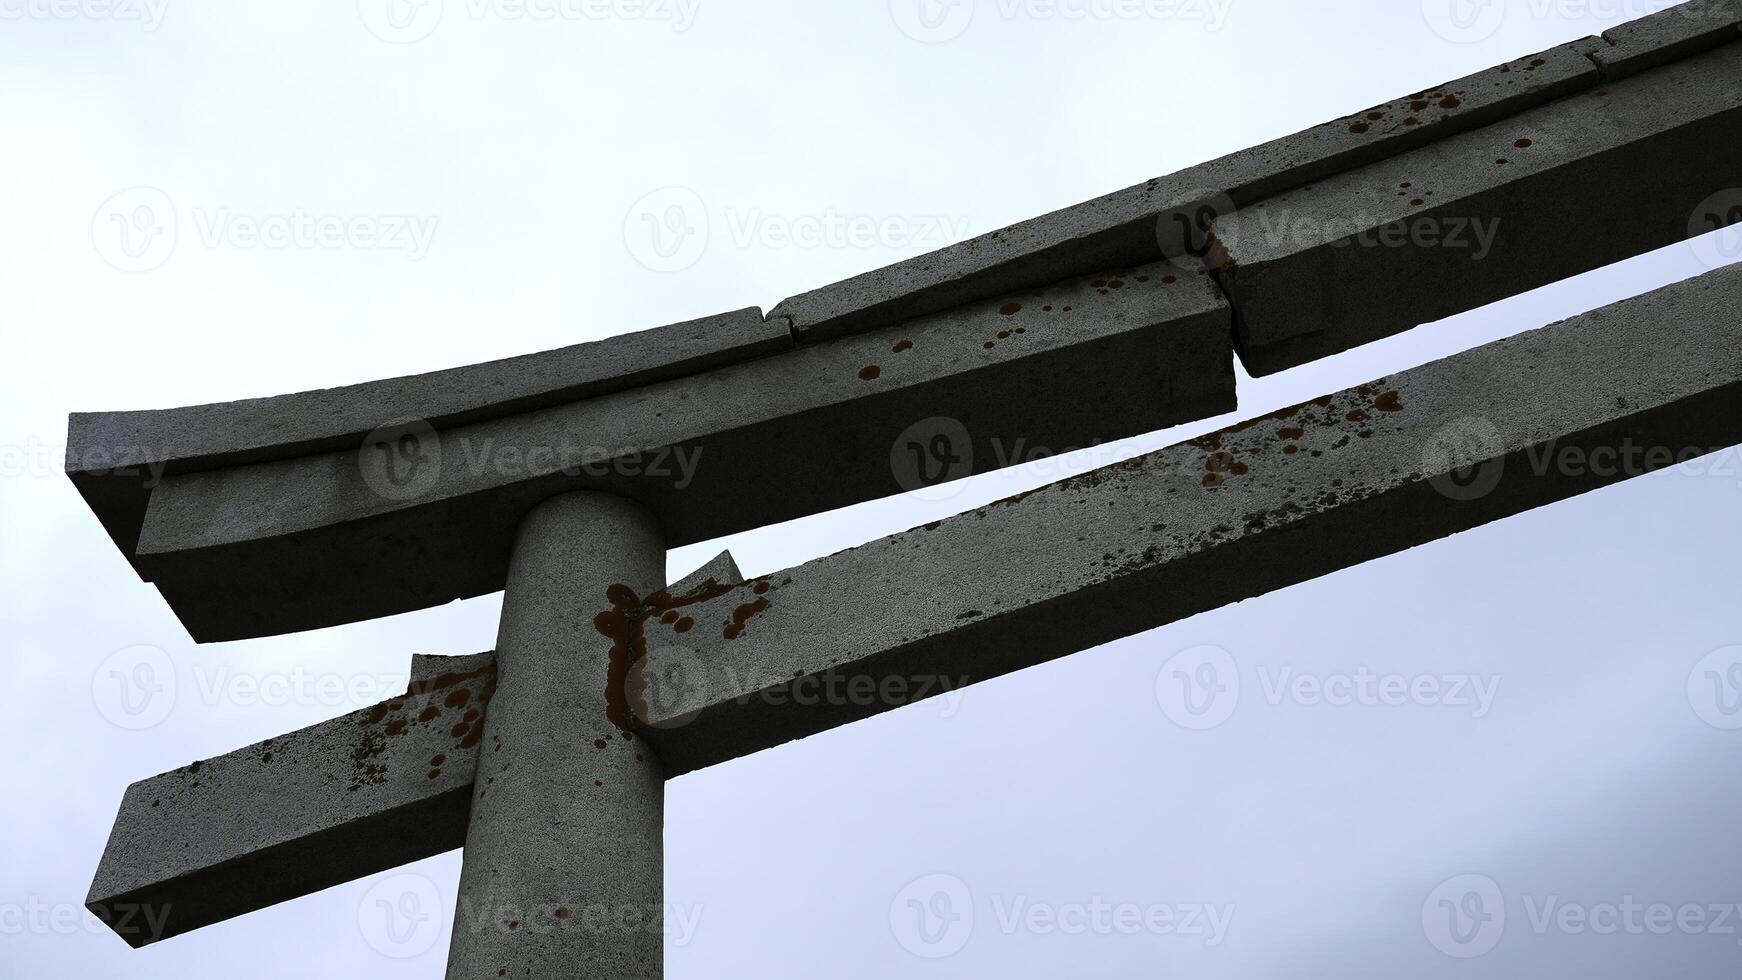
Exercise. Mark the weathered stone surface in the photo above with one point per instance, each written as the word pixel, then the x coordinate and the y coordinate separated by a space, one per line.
pixel 115 457
pixel 288 545
pixel 1667 35
pixel 722 569
pixel 1151 220
pixel 292 815
pixel 1562 189
pixel 1376 469
pixel 567 817
pixel 1364 473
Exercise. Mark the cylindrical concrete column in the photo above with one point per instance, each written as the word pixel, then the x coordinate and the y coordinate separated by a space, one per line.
pixel 563 868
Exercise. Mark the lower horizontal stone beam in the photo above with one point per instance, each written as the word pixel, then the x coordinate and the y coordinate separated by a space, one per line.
pixel 1559 190
pixel 330 803
pixel 1278 500
pixel 362 793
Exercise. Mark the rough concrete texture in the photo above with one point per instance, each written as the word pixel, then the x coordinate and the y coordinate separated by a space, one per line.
pixel 258 829
pixel 1151 220
pixel 291 815
pixel 722 569
pixel 1562 189
pixel 1346 478
pixel 1375 470
pixel 289 545
pixel 1665 36
pixel 113 457
pixel 567 822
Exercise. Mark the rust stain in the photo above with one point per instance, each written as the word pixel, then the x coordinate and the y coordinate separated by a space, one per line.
pixel 624 624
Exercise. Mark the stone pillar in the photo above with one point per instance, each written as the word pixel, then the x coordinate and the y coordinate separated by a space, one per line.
pixel 563 871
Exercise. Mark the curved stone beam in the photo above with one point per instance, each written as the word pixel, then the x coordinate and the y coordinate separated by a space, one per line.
pixel 115 458
pixel 1565 188
pixel 1143 223
pixel 291 544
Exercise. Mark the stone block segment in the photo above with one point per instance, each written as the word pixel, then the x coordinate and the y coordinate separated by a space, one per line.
pixel 1559 190
pixel 1668 35
pixel 288 545
pixel 1151 221
pixel 362 793
pixel 1374 470
pixel 114 458
pixel 1271 502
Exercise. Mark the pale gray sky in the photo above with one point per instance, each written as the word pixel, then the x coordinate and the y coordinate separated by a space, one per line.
pixel 494 165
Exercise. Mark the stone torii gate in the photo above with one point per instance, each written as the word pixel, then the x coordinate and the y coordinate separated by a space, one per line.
pixel 560 479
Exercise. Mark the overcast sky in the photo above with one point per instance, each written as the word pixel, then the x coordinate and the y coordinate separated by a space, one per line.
pixel 506 173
